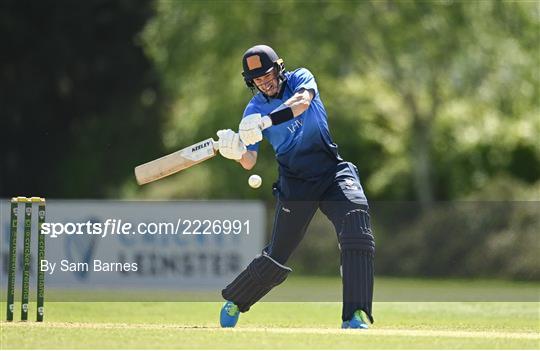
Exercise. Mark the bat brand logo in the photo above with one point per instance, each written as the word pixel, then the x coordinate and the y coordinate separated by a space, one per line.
pixel 200 146
pixel 175 162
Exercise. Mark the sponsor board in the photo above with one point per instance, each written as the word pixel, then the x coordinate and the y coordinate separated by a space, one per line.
pixel 184 245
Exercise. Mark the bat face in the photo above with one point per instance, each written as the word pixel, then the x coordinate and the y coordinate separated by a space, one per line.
pixel 175 162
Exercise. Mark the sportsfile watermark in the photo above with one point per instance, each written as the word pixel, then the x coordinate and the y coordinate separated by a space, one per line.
pixel 137 245
pixel 115 226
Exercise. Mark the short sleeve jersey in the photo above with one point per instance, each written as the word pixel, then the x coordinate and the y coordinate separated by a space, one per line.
pixel 303 146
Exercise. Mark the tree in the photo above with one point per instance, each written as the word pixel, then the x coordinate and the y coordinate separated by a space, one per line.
pixel 80 101
pixel 406 85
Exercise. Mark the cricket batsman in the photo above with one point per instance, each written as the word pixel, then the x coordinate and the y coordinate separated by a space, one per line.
pixel 287 110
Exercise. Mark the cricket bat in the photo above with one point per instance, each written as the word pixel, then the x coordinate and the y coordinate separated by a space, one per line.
pixel 176 161
pixel 179 160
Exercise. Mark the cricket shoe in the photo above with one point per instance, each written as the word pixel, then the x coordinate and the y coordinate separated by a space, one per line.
pixel 229 315
pixel 356 322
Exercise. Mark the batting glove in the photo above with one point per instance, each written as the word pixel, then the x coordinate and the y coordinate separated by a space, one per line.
pixel 230 145
pixel 251 126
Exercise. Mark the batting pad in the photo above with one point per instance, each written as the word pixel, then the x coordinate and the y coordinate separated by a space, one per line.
pixel 357 254
pixel 260 276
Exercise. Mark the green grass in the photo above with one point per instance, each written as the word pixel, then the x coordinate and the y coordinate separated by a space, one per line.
pixel 312 325
pixel 328 289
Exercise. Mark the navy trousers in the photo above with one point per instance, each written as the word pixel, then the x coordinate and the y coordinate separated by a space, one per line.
pixel 297 201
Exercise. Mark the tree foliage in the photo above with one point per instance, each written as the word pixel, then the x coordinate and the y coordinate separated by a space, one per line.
pixel 430 99
pixel 80 101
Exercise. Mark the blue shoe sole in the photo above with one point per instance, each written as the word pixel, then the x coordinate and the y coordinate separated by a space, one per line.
pixel 225 320
pixel 347 325
pixel 355 323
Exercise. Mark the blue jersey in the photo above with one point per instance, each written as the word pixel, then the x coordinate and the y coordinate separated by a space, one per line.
pixel 303 146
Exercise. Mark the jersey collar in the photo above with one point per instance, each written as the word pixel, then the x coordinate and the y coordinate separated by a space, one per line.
pixel 282 89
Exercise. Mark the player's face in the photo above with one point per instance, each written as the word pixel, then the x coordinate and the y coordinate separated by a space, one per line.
pixel 268 83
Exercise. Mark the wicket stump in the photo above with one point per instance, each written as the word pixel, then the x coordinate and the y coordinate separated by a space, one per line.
pixel 12 258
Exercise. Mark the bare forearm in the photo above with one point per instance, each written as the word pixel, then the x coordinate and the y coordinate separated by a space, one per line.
pixel 299 102
pixel 248 160
pixel 294 107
